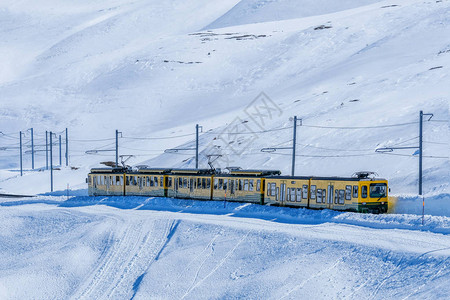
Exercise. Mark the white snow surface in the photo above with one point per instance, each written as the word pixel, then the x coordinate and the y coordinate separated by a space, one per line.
pixel 141 248
pixel 357 72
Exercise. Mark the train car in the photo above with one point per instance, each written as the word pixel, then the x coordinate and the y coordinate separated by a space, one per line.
pixel 147 182
pixel 287 191
pixel 359 193
pixel 241 185
pixel 190 183
pixel 106 182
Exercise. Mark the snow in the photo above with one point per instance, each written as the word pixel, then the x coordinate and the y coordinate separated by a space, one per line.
pixel 153 70
pixel 194 249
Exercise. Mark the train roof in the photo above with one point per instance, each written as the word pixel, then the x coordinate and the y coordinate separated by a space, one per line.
pixel 255 172
pixel 154 170
pixel 330 178
pixel 108 170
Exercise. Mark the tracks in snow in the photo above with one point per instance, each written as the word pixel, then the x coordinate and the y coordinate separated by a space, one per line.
pixel 130 249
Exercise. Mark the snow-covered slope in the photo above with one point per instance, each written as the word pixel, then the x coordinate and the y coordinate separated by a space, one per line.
pixel 178 249
pixel 148 69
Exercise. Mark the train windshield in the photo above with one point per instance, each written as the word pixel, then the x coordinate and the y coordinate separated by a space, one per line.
pixel 378 190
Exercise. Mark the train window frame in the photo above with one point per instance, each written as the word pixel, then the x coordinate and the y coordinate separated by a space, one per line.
pixel 258 185
pixel 355 191
pixel 305 191
pixel 273 189
pixel 313 191
pixel 319 196
pixel 348 192
pixel 341 196
pixel 364 193
pixel 246 185
pixel 298 194
pixel 203 183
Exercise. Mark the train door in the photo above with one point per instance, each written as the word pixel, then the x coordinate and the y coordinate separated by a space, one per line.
pixel 283 192
pixel 175 185
pixel 107 183
pixel 330 194
pixel 232 188
pixel 191 186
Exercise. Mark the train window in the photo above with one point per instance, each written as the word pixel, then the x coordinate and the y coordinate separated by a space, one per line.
pixel 336 196
pixel 250 186
pixel 156 181
pixel 348 192
pixel 246 185
pixel 268 189
pixel 216 183
pixel 355 191
pixel 185 182
pixel 199 183
pixel 258 185
pixel 161 181
pixel 291 194
pixel 313 192
pixel 273 191
pixel 305 192
pixel 319 196
pixel 225 184
pixel 169 182
pixel 324 195
pixel 121 180
pixel 378 190
pixel 299 195
pixel 203 183
pixel 341 196
pixel 364 191
pixel 180 182
pixel 208 183
pixel 241 184
pixel 220 184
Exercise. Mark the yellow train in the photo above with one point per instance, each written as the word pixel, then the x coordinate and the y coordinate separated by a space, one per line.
pixel 359 193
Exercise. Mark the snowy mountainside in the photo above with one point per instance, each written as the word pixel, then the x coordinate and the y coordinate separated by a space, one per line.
pixel 149 69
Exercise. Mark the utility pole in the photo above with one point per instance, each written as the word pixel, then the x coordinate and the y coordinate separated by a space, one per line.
pixel 67 148
pixel 46 150
pixel 51 162
pixel 60 161
pixel 293 147
pixel 32 149
pixel 197 127
pixel 294 143
pixel 420 147
pixel 117 148
pixel 21 172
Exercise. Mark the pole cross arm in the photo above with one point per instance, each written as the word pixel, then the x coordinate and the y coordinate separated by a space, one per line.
pixel 274 149
pixel 175 150
pixel 97 151
pixel 391 149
